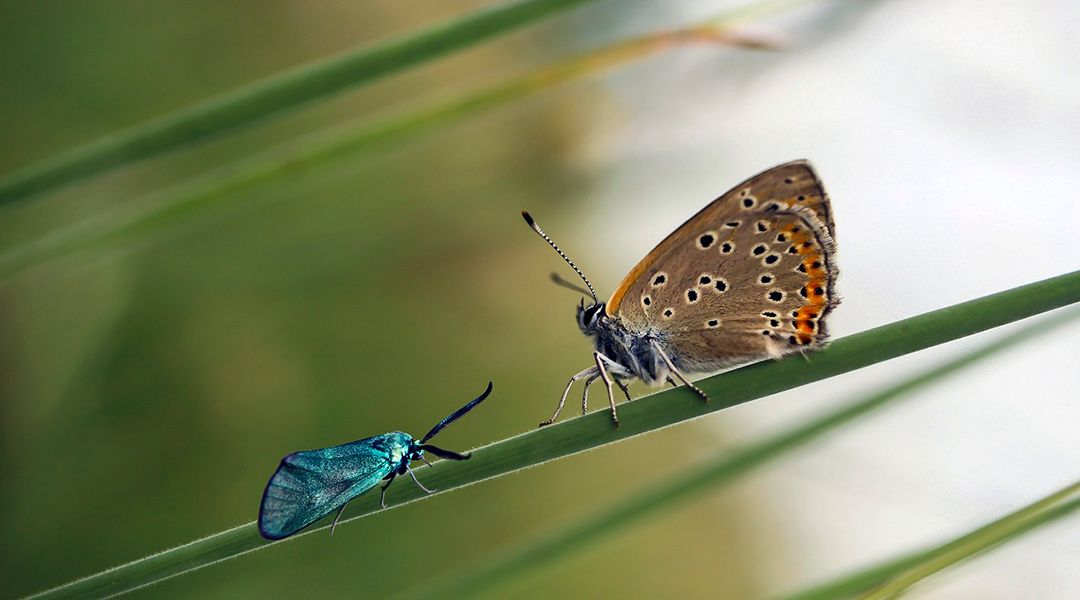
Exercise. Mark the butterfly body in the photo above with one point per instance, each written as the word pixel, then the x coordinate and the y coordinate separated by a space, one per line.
pixel 633 350
pixel 311 484
pixel 750 276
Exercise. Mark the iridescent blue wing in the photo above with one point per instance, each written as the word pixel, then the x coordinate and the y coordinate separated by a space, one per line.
pixel 311 484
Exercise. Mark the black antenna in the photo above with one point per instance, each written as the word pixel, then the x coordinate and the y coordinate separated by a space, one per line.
pixel 536 228
pixel 559 281
pixel 457 414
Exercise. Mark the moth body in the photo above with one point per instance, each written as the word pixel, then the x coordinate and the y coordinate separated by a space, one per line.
pixel 311 484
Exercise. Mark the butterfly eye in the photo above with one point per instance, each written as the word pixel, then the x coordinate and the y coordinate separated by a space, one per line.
pixel 592 314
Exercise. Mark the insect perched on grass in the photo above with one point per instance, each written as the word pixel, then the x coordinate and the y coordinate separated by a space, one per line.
pixel 311 484
pixel 750 276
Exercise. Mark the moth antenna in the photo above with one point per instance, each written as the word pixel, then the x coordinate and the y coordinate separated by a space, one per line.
pixel 456 415
pixel 540 232
pixel 559 281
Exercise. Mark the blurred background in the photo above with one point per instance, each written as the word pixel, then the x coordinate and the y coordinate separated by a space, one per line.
pixel 148 387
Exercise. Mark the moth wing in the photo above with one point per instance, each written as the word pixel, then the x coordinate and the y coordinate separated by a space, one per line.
pixel 311 484
pixel 790 184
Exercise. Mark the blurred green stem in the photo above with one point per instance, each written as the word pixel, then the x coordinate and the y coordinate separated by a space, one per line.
pixel 217 186
pixel 1050 508
pixel 891 579
pixel 724 469
pixel 288 90
pixel 641 416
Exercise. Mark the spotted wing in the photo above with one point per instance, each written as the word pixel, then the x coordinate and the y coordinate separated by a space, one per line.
pixel 311 484
pixel 751 275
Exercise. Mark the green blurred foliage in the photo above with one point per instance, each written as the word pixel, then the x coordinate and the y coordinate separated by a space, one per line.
pixel 149 391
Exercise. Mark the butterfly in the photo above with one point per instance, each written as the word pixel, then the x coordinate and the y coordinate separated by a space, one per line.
pixel 311 484
pixel 750 276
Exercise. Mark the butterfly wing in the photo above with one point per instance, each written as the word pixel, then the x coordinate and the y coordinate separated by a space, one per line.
pixel 311 484
pixel 750 275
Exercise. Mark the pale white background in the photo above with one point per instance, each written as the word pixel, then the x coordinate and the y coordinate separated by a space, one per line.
pixel 948 136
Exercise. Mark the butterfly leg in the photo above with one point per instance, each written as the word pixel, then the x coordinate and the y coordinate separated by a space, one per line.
pixel 417 481
pixel 562 401
pixel 671 367
pixel 382 490
pixel 585 393
pixel 600 359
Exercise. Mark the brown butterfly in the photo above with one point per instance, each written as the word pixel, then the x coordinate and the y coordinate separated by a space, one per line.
pixel 751 276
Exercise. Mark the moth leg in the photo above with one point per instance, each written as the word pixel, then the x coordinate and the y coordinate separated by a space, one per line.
pixel 585 393
pixel 417 481
pixel 625 388
pixel 562 401
pixel 600 358
pixel 671 367
pixel 382 490
pixel 672 381
pixel 425 461
pixel 338 518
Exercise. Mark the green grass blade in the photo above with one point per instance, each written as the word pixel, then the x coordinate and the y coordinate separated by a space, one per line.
pixel 1055 506
pixel 721 470
pixel 274 95
pixel 646 414
pixel 220 185
pixel 892 578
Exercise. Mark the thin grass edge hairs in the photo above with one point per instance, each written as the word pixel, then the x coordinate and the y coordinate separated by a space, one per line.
pixel 311 484
pixel 750 276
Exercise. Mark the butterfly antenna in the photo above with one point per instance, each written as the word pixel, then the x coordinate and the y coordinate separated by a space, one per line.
pixel 457 415
pixel 536 228
pixel 559 281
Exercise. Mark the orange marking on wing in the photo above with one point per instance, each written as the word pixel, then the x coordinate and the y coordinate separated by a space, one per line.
pixel 811 271
pixel 612 306
pixel 816 291
pixel 808 313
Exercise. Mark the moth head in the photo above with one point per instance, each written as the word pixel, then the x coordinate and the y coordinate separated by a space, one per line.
pixel 415 452
pixel 589 317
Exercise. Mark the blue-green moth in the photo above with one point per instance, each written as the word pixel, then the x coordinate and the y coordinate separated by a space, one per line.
pixel 311 484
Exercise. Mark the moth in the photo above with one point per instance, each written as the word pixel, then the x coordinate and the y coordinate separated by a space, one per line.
pixel 311 484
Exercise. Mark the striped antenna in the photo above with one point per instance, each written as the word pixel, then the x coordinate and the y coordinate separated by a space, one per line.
pixel 536 228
